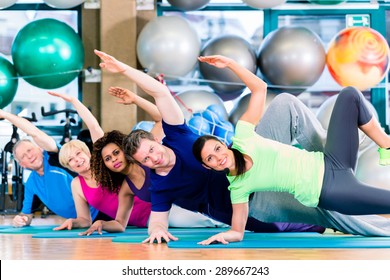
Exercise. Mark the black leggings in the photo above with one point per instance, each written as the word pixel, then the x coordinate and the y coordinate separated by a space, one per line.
pixel 341 191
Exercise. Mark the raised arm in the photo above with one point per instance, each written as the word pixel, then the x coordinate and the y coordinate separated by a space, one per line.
pixel 166 104
pixel 128 97
pixel 257 86
pixel 43 140
pixel 86 115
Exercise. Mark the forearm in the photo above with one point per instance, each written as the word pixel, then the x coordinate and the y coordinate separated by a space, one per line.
pixel 81 223
pixel 147 83
pixel 149 108
pixel 22 124
pixel 113 226
pixel 158 221
pixel 253 82
pixel 88 118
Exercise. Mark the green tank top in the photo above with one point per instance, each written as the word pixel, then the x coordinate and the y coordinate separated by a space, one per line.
pixel 276 167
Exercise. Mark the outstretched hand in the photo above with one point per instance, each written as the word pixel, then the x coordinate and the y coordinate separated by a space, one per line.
pixel 124 95
pixel 110 63
pixel 218 61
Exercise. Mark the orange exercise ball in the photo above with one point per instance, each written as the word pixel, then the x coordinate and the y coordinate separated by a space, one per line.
pixel 359 57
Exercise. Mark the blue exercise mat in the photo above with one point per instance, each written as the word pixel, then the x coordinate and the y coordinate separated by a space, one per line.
pixel 138 233
pixel 28 229
pixel 292 242
pixel 202 235
pixel 73 234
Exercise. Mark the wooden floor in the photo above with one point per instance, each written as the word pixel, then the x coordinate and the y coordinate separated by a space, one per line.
pixel 23 247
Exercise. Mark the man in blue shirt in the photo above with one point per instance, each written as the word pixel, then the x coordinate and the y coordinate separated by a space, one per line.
pixel 48 179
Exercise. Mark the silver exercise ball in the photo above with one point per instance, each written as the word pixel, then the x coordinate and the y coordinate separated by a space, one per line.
pixel 325 111
pixel 188 5
pixel 236 48
pixel 6 3
pixel 263 4
pixel 370 172
pixel 168 45
pixel 240 107
pixel 63 4
pixel 193 101
pixel 291 56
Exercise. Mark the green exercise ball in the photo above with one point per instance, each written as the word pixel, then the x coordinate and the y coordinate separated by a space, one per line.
pixel 48 53
pixel 8 82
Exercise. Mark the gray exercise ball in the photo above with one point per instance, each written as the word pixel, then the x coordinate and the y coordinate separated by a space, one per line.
pixel 324 113
pixel 188 5
pixel 242 104
pixel 236 48
pixel 193 101
pixel 291 56
pixel 168 45
pixel 370 172
pixel 263 4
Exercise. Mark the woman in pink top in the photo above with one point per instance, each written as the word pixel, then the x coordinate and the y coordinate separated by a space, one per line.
pixel 76 156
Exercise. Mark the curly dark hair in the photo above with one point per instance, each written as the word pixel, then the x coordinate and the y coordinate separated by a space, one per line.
pixel 108 180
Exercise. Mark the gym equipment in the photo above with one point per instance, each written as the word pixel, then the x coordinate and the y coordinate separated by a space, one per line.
pixel 199 125
pixel 291 241
pixel 67 133
pixel 12 189
pixel 291 59
pixel 188 5
pixel 326 2
pixel 63 4
pixel 325 110
pixel 263 4
pixel 48 53
pixel 359 57
pixel 224 82
pixel 168 45
pixel 370 172
pixel 193 101
pixel 6 3
pixel 8 82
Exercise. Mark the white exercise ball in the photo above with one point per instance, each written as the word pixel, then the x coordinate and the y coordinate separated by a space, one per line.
pixel 193 101
pixel 6 3
pixel 369 170
pixel 263 4
pixel 63 4
pixel 325 111
pixel 168 45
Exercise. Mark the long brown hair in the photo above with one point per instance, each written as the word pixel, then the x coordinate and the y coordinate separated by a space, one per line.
pixel 198 145
pixel 105 177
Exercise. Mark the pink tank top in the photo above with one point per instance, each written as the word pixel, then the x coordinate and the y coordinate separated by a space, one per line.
pixel 107 202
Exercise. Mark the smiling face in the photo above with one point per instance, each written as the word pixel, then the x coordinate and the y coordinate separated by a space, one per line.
pixel 152 154
pixel 114 158
pixel 29 155
pixel 217 156
pixel 78 161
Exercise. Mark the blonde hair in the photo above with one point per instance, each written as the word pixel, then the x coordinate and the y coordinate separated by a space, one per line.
pixel 69 147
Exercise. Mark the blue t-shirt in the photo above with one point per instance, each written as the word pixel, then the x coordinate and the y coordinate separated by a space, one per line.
pixel 53 189
pixel 188 184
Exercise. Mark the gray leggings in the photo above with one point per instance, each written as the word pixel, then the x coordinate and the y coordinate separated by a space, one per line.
pixel 341 191
pixel 287 119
